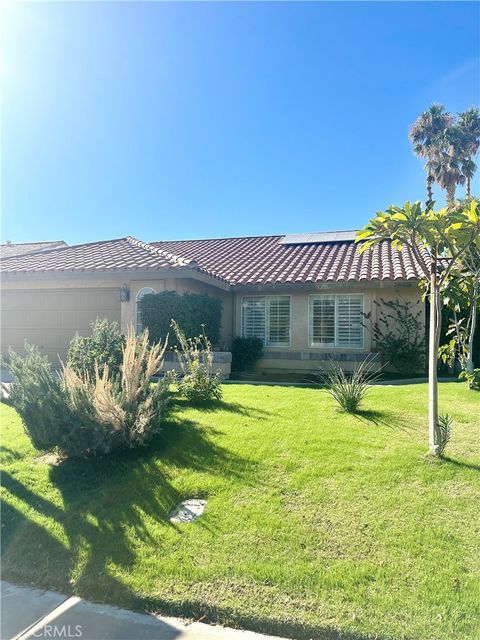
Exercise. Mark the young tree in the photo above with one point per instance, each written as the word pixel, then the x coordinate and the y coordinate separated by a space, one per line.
pixel 436 239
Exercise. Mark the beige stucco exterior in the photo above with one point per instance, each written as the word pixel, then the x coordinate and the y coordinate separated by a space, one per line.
pixel 48 310
pixel 300 355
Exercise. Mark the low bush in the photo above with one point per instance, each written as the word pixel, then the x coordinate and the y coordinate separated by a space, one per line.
pixel 444 431
pixel 79 414
pixel 193 313
pixel 102 348
pixel 199 382
pixel 350 389
pixel 399 335
pixel 246 352
pixel 473 379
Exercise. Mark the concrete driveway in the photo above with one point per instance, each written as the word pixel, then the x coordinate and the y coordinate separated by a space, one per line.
pixel 33 613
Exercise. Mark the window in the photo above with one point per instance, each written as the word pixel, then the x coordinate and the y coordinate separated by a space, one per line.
pixel 143 292
pixel 267 318
pixel 336 321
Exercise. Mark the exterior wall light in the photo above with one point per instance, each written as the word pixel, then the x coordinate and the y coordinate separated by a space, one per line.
pixel 124 293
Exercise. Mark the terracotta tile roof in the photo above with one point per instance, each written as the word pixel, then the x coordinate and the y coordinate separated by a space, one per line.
pixel 264 260
pixel 236 261
pixel 9 249
pixel 110 255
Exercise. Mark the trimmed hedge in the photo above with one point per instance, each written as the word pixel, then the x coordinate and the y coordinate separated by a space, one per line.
pixel 193 312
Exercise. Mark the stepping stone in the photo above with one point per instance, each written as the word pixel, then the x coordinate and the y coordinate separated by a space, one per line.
pixel 187 511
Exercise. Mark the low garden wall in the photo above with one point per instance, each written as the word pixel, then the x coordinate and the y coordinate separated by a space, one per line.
pixel 221 360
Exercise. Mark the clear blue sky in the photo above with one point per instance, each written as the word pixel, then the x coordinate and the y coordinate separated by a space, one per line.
pixel 183 120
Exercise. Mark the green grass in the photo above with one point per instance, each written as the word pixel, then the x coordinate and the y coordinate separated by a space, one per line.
pixel 318 524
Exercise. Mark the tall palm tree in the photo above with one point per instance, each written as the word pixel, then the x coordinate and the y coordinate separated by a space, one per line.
pixel 425 135
pixel 446 168
pixel 469 124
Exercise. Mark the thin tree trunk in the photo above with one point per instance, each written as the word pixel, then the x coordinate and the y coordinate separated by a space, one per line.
pixel 432 360
pixel 451 193
pixel 473 324
pixel 468 187
pixel 429 191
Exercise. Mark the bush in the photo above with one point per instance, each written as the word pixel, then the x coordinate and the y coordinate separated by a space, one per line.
pixel 473 379
pixel 199 384
pixel 191 312
pixel 350 389
pixel 246 352
pixel 81 415
pixel 444 431
pixel 103 347
pixel 399 335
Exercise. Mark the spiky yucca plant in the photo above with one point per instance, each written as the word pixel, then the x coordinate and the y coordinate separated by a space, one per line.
pixel 350 389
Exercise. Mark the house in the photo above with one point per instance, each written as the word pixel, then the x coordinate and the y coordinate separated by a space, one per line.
pixel 302 294
pixel 8 249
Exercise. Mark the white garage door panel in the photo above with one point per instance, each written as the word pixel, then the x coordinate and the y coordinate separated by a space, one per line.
pixel 50 318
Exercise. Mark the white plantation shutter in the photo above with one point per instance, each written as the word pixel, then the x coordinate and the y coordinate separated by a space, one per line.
pixel 349 321
pixel 278 309
pixel 253 317
pixel 322 321
pixel 336 321
pixel 267 318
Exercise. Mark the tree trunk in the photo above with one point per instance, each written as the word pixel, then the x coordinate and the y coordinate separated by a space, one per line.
pixel 468 187
pixel 473 325
pixel 434 333
pixel 451 193
pixel 429 191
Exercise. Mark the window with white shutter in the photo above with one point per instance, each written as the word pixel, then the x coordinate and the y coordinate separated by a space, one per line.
pixel 336 321
pixel 267 318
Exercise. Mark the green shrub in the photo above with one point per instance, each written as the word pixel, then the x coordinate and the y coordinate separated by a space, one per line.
pixel 103 347
pixel 350 389
pixel 81 415
pixel 192 312
pixel 473 379
pixel 199 383
pixel 444 431
pixel 246 352
pixel 399 335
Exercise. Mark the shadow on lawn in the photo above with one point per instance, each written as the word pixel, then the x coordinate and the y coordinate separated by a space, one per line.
pixel 107 503
pixel 381 418
pixel 227 616
pixel 460 463
pixel 221 405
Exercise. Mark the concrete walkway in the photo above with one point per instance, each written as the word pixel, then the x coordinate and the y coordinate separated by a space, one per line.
pixel 28 613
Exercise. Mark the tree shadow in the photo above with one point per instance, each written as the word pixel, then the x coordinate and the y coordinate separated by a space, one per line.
pixel 107 505
pixel 460 463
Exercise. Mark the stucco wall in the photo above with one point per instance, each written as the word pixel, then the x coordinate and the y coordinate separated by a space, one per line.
pixel 300 355
pixel 48 311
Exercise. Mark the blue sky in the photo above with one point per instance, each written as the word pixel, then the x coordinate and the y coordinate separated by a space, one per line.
pixel 183 120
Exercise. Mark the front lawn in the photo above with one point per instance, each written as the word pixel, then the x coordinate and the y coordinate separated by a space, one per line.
pixel 318 524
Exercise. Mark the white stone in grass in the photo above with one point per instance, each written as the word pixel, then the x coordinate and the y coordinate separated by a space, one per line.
pixel 187 511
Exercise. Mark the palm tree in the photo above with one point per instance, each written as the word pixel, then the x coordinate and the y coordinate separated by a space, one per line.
pixel 425 134
pixel 446 164
pixel 469 124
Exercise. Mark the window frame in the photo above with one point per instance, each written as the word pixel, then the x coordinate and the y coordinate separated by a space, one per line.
pixel 335 346
pixel 266 341
pixel 144 291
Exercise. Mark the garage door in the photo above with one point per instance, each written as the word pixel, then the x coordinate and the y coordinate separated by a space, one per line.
pixel 49 318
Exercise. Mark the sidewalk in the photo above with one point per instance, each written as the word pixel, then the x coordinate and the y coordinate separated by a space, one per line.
pixel 28 613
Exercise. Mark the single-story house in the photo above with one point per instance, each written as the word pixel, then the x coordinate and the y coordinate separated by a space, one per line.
pixel 302 294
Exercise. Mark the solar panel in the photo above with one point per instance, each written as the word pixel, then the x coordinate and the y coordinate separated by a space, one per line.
pixel 313 238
